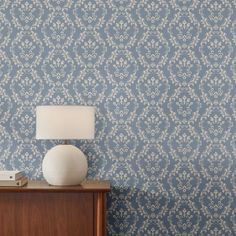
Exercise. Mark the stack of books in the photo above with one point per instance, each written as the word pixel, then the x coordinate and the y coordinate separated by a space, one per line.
pixel 11 178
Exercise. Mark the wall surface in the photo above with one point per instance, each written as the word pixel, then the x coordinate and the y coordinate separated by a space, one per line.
pixel 162 75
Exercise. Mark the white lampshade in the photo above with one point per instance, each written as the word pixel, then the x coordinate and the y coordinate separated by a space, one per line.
pixel 65 122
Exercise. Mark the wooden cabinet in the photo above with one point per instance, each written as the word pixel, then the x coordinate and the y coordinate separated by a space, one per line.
pixel 42 210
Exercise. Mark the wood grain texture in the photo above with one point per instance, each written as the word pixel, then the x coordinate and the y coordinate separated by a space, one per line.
pixel 50 214
pixel 99 214
pixel 42 210
pixel 43 186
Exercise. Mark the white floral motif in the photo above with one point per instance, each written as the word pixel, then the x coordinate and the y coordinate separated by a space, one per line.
pixel 216 163
pixel 59 96
pixel 233 219
pixel 153 163
pixel 90 87
pixel 184 143
pixel 121 31
pixel 216 13
pixel 26 153
pixel 153 14
pixel 216 125
pixel 152 204
pixel 90 13
pixel 122 5
pixel 27 87
pixel 4 4
pixel 58 4
pixel 125 174
pixel 215 199
pixel 123 143
pixel 185 4
pixel 5 145
pixel 216 87
pixel 58 30
pixel 100 127
pixel 233 31
pixel 124 217
pixel 233 107
pixel 233 66
pixel 152 227
pixel 153 49
pixel 90 49
pixel 121 106
pixel 27 14
pixel 216 49
pixel 153 125
pixel 215 227
pixel 96 163
pixel 233 180
pixel 121 68
pixel 58 68
pixel 5 31
pixel 184 219
pixel 5 68
pixel 185 68
pixel 27 49
pixel 5 107
pixel 153 87
pixel 23 124
pixel 184 106
pixel 184 182
pixel 184 30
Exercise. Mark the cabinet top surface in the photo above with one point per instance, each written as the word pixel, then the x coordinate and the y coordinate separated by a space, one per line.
pixel 43 186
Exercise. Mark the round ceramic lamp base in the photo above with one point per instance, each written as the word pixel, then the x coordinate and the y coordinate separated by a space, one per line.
pixel 64 165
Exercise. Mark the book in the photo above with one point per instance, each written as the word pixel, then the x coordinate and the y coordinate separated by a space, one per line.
pixel 10 174
pixel 14 183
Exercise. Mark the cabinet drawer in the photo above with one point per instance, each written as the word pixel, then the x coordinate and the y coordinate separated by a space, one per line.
pixel 46 214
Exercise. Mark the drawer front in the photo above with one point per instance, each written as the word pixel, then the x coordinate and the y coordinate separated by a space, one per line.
pixel 46 214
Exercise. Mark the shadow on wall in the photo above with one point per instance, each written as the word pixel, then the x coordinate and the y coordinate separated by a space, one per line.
pixel 132 211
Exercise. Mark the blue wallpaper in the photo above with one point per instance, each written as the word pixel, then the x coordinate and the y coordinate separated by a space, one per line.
pixel 162 76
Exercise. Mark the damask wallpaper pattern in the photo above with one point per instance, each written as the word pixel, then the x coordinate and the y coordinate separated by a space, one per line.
pixel 162 76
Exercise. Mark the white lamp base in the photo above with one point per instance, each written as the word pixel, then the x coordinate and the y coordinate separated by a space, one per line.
pixel 64 165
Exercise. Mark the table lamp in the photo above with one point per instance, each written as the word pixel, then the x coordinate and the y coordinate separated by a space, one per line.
pixel 65 164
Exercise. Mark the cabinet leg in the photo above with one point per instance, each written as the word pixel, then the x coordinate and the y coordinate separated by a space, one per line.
pixel 99 214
